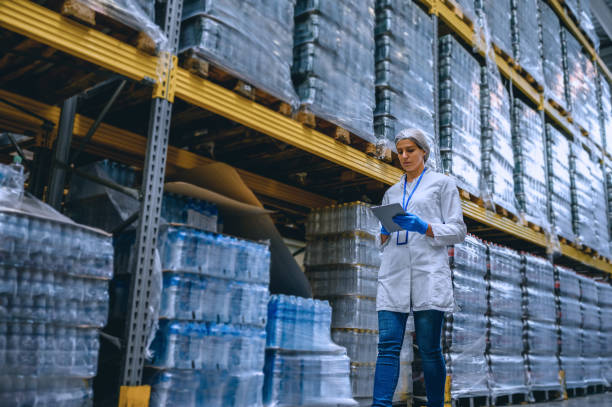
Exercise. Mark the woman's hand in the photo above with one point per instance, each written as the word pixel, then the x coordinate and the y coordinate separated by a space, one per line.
pixel 411 223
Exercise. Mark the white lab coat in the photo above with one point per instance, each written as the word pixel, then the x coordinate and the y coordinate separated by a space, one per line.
pixel 416 276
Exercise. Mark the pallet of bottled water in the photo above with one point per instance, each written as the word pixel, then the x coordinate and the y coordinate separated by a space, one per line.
pixel 53 300
pixel 339 219
pixel 303 366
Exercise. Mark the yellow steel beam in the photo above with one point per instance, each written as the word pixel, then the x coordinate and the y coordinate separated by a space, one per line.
pixel 570 25
pixel 48 27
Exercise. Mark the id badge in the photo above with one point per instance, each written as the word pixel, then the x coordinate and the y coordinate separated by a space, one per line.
pixel 399 241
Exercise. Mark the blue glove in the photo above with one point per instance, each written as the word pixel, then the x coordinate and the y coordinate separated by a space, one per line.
pixel 383 231
pixel 411 223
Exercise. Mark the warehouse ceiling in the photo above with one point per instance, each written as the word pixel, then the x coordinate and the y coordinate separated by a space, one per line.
pixel 602 10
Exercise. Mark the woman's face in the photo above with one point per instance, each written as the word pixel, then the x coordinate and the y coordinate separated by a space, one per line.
pixel 410 155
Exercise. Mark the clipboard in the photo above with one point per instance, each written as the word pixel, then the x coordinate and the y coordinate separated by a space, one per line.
pixel 385 214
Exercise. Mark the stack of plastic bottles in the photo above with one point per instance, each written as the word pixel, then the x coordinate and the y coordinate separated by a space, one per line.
pixel 342 260
pixel 570 321
pixel 552 54
pixel 190 211
pixel 529 162
pixel 466 329
pixel 211 336
pixel 494 17
pixel 12 178
pixel 539 324
pixel 585 20
pixel 460 114
pixel 599 208
pixel 497 154
pixel 333 62
pixel 222 32
pixel 525 38
pixel 608 175
pixel 605 113
pixel 583 201
pixel 589 307
pixel 505 334
pixel 53 300
pixel 559 182
pixel 404 72
pixel 303 367
pixel 604 297
pixel 580 84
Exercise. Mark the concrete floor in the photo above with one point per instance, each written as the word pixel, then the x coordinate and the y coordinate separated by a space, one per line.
pixel 594 400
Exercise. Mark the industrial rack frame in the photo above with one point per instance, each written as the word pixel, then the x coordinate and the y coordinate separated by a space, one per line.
pixel 52 29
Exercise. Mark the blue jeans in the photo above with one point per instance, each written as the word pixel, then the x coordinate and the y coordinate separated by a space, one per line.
pixel 391 328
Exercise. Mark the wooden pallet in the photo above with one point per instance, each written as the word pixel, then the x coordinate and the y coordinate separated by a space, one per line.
pixel 558 107
pixel 205 69
pixel 456 8
pixel 472 198
pixel 86 15
pixel 510 399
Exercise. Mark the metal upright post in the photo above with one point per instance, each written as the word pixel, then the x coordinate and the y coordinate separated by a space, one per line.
pixel 138 317
pixel 61 151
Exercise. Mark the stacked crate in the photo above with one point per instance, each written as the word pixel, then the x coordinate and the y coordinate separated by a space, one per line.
pixel 495 16
pixel 505 330
pixel 333 62
pixel 529 162
pixel 465 331
pixel 539 324
pixel 342 261
pixel 222 32
pixel 552 54
pixel 589 307
pixel 496 141
pixel 604 298
pixel 404 72
pixel 53 301
pixel 569 321
pixel 525 40
pixel 303 366
pixel 559 184
pixel 460 114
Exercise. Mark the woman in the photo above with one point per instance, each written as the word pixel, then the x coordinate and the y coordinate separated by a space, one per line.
pixel 414 275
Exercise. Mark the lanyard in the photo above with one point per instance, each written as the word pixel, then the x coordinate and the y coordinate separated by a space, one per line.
pixel 405 203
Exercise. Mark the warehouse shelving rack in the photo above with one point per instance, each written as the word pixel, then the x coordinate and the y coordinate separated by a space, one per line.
pixel 170 82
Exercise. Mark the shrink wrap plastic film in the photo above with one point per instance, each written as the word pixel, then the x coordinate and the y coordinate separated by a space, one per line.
pixel 539 324
pixel 589 304
pixel 525 40
pixel 460 119
pixel 222 32
pixel 605 114
pixel 505 333
pixel 465 331
pixel 604 294
pixel 337 219
pixel 497 14
pixel 356 249
pixel 570 320
pixel 585 20
pixel 530 163
pixel 552 54
pixel 404 73
pixel 333 62
pixel 53 299
pixel 137 14
pixel 559 180
pixel 496 141
pixel 599 209
pixel 12 179
pixel 343 280
pixel 303 367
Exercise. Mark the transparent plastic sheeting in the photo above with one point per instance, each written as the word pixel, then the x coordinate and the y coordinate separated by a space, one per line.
pixel 591 325
pixel 361 346
pixel 222 32
pixel 12 179
pixel 604 294
pixel 338 219
pixel 343 280
pixel 525 39
pixel 465 330
pixel 460 114
pixel 552 55
pixel 606 113
pixel 299 324
pixel 50 391
pixel 303 365
pixel 136 14
pixel 559 182
pixel 585 19
pixel 298 379
pixel 539 285
pixel 192 388
pixel 530 163
pixel 333 66
pixel 354 313
pixel 497 155
pixel 404 73
pixel 599 208
pixel 356 248
pixel 496 13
